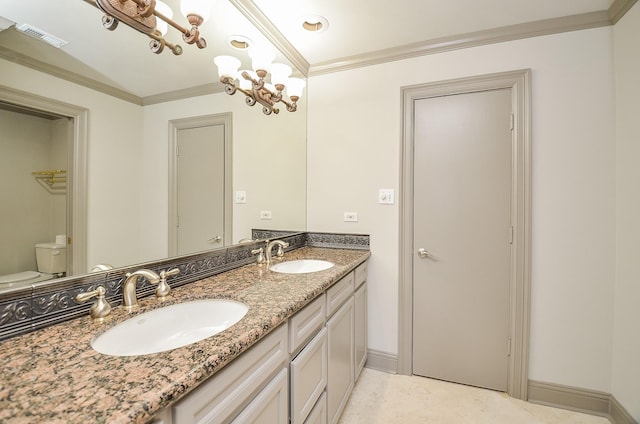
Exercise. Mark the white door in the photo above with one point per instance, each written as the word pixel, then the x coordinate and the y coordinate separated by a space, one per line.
pixel 462 230
pixel 200 183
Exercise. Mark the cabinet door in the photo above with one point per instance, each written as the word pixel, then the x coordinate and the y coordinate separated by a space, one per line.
pixel 270 406
pixel 360 326
pixel 318 414
pixel 341 360
pixel 308 377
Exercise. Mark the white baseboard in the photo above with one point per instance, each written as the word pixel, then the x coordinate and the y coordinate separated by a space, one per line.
pixel 581 400
pixel 382 361
pixel 550 394
pixel 619 415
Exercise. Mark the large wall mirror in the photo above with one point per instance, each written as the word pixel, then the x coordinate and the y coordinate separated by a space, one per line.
pixel 128 109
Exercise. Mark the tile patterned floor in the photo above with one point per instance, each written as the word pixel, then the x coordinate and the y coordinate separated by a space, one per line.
pixel 387 398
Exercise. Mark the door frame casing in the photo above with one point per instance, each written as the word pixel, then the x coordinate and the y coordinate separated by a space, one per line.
pixel 224 119
pixel 519 82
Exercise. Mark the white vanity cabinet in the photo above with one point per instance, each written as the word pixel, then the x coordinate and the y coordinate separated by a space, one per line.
pixel 309 360
pixel 360 318
pixel 341 345
pixel 251 389
pixel 301 373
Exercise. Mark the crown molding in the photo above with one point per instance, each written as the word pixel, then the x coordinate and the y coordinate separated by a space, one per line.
pixel 437 45
pixel 618 9
pixel 249 9
pixel 73 77
pixel 462 41
pixel 92 84
pixel 199 90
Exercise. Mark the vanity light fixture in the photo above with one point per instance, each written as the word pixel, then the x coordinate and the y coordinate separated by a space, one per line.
pixel 253 84
pixel 153 17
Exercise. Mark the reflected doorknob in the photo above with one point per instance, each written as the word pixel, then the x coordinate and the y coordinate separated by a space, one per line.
pixel 423 253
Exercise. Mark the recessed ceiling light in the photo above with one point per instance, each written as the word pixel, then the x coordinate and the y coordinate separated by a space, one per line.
pixel 315 23
pixel 239 42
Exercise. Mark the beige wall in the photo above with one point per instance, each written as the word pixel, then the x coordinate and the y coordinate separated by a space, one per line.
pixel 626 347
pixel 61 133
pixel 113 156
pixel 29 213
pixel 268 164
pixel 354 138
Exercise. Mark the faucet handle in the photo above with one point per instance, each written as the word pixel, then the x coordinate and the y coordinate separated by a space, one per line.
pixel 260 252
pixel 163 289
pixel 101 308
pixel 281 246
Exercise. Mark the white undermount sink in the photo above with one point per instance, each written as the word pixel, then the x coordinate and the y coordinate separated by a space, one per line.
pixel 170 327
pixel 301 266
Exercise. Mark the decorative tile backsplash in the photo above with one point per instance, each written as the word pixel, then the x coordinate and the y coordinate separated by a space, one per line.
pixel 31 308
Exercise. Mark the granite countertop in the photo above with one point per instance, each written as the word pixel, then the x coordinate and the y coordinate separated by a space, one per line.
pixel 54 376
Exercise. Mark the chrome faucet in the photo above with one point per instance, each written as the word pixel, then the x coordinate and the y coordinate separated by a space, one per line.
pixel 129 298
pixel 280 252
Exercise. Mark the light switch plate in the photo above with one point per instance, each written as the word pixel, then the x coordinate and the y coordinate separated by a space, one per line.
pixel 386 196
pixel 351 217
pixel 241 196
pixel 265 214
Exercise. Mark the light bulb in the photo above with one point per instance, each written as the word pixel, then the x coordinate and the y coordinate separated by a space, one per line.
pixel 295 86
pixel 280 74
pixel 227 66
pixel 261 59
pixel 246 84
pixel 163 8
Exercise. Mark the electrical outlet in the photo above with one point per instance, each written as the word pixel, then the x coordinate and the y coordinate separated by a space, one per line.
pixel 386 196
pixel 351 217
pixel 265 214
pixel 241 196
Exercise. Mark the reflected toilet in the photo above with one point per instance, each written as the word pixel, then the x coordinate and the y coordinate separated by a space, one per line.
pixel 52 263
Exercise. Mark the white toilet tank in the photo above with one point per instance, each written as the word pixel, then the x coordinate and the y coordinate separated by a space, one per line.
pixel 51 257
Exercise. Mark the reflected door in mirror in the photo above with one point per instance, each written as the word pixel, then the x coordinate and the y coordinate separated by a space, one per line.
pixel 200 188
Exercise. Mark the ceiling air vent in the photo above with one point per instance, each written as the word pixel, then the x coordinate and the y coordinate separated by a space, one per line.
pixel 41 35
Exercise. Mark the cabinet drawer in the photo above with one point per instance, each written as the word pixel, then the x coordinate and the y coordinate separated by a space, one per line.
pixel 338 293
pixel 222 396
pixel 361 275
pixel 308 377
pixel 304 324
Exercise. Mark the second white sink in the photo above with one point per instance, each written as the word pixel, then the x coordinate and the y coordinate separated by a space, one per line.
pixel 301 266
pixel 170 327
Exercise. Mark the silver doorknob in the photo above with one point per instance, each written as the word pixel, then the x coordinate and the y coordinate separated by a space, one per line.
pixel 423 253
pixel 215 239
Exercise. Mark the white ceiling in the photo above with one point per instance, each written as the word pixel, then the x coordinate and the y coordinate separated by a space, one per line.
pixel 357 28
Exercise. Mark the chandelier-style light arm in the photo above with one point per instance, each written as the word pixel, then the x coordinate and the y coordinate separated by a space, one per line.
pixel 141 15
pixel 257 94
pixel 158 43
pixel 257 90
pixel 190 36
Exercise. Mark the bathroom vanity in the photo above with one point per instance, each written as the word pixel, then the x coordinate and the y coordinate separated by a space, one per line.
pixel 296 353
